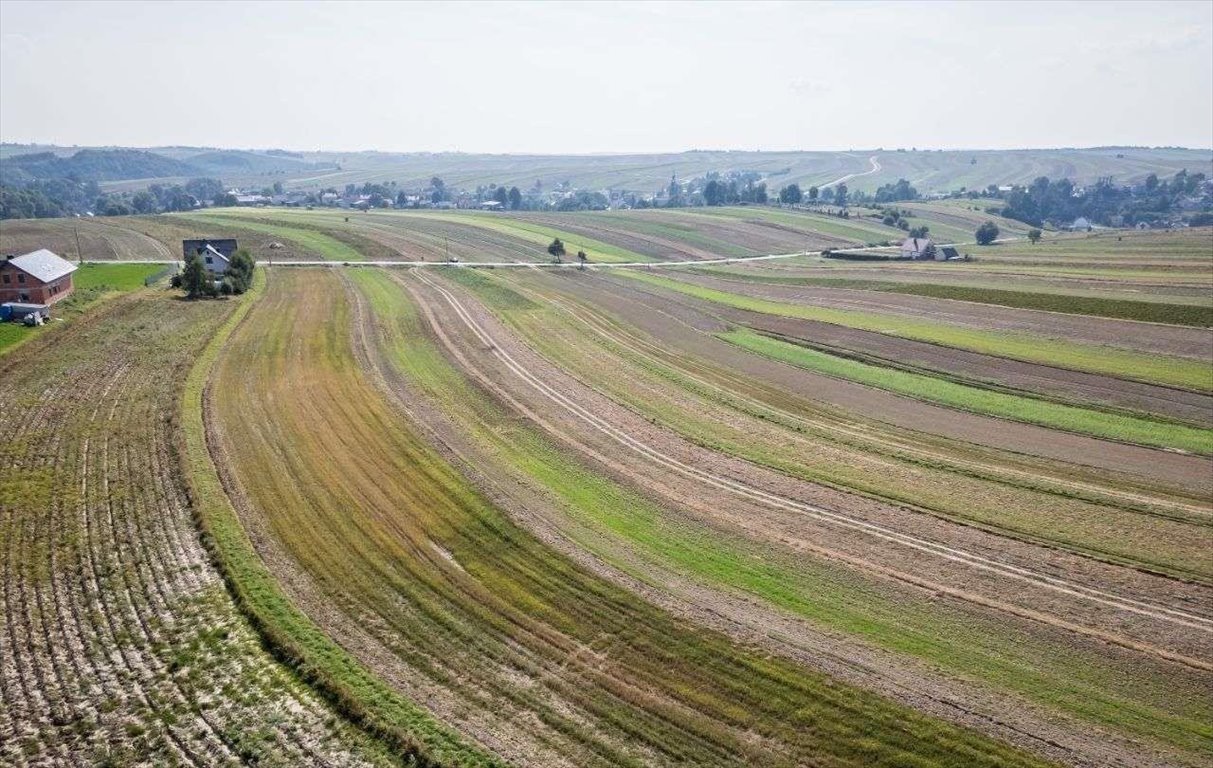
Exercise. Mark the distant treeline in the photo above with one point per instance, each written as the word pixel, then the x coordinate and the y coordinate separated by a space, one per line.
pixel 66 197
pixel 1104 203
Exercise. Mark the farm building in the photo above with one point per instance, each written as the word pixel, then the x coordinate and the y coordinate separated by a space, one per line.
pixel 216 254
pixel 919 248
pixel 40 277
pixel 1081 225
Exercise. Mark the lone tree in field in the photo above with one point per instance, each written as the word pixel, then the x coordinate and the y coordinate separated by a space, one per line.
pixel 1034 236
pixel 791 194
pixel 987 233
pixel 557 250
pixel 582 257
pixel 194 278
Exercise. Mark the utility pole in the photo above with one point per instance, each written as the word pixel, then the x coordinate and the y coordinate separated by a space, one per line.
pixel 79 255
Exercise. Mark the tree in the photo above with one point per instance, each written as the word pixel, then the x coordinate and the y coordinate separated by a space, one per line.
pixel 581 257
pixel 224 200
pixel 840 196
pixel 240 270
pixel 929 252
pixel 194 279
pixel 813 191
pixel 1034 235
pixel 143 202
pixel 713 193
pixel 515 198
pixel 987 233
pixel 502 196
pixel 920 232
pixel 760 194
pixel 791 194
pixel 556 249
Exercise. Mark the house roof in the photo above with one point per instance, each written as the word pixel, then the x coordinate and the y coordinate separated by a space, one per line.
pixel 43 264
pixel 211 249
pixel 915 243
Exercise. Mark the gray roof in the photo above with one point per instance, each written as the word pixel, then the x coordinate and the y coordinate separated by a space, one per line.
pixel 43 264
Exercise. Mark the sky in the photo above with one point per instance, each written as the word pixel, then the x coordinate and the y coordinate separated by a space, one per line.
pixel 557 78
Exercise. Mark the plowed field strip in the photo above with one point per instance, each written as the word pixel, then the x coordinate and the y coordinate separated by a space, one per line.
pixel 119 642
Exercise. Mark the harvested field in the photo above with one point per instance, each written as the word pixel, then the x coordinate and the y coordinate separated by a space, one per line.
pixel 670 543
pixel 795 511
pixel 462 609
pixel 120 643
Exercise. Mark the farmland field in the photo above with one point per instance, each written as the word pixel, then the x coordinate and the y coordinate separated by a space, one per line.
pixel 789 511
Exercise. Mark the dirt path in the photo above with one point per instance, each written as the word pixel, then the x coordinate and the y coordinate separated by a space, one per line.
pixel 876 167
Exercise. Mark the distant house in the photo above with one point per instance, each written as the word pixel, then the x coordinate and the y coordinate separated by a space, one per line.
pixel 40 277
pixel 919 248
pixel 216 254
pixel 250 200
pixel 492 205
pixel 1081 225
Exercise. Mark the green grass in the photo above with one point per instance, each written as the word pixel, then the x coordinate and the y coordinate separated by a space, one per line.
pixel 954 395
pixel 836 598
pixel 1157 369
pixel 356 692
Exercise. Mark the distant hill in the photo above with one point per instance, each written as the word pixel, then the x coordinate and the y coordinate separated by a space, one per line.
pixel 225 163
pixel 860 169
pixel 91 165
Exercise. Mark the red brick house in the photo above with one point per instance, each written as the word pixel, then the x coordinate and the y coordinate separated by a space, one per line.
pixel 40 277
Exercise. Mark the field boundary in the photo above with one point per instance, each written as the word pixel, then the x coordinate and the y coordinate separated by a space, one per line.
pixel 354 691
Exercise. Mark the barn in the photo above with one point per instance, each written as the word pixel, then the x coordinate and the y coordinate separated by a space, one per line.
pixel 216 254
pixel 39 277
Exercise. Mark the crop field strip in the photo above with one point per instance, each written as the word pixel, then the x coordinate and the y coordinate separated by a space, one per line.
pixel 712 372
pixel 1185 373
pixel 119 642
pixel 496 377
pixel 455 539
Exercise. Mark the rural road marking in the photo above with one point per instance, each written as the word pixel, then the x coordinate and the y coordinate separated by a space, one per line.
pixel 926 546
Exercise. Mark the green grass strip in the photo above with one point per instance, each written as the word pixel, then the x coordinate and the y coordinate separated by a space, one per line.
pixel 1003 405
pixel 1188 374
pixel 355 691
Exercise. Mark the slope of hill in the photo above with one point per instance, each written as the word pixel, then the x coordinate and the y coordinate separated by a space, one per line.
pixel 91 165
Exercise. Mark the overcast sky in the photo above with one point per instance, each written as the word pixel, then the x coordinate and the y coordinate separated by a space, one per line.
pixel 612 77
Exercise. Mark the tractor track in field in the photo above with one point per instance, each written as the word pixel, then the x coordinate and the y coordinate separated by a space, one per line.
pixel 1068 589
pixel 910 681
pixel 597 321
